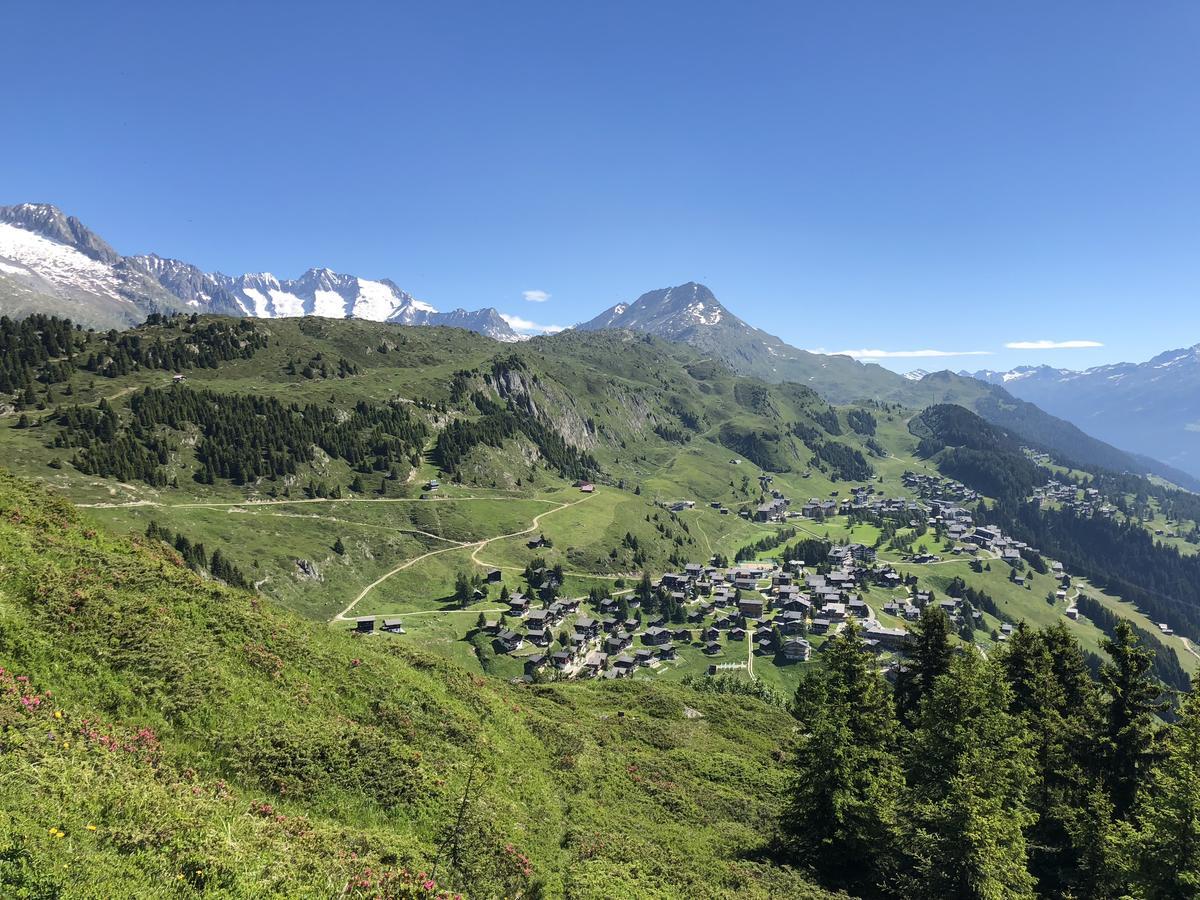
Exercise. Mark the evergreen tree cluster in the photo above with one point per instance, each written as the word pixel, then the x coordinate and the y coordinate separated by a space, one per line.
pixel 105 448
pixel 1006 476
pixel 979 599
pixel 1165 663
pixel 1119 556
pixel 36 348
pixel 242 437
pixel 766 449
pixel 862 422
pixel 49 349
pixel 462 436
pixel 845 463
pixel 811 551
pixel 827 418
pixel 197 559
pixel 671 434
pixel 201 345
pixel 767 542
pixel 1013 776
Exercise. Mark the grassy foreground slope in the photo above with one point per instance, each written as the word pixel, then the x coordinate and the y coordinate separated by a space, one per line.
pixel 162 735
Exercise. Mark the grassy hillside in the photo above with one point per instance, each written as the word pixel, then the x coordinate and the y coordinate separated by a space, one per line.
pixel 658 423
pixel 184 738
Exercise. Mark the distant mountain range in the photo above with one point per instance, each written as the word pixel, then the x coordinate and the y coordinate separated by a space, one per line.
pixel 1151 407
pixel 53 263
pixel 691 314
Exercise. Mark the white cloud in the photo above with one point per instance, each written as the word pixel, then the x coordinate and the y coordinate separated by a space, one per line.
pixel 535 296
pixel 524 326
pixel 1051 345
pixel 901 354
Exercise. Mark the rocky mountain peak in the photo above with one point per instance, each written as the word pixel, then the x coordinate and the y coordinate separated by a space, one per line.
pixel 50 222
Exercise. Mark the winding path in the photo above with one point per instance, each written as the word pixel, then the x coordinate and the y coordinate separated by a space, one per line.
pixel 344 615
pixel 254 504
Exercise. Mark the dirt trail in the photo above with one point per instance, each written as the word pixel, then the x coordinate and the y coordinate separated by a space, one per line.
pixel 344 615
pixel 254 504
pixel 110 398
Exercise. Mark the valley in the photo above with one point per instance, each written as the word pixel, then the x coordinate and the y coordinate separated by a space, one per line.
pixel 670 492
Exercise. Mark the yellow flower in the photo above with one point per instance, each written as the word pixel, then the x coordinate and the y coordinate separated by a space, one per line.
pixel 179 877
pixel 60 834
pixel 91 828
pixel 58 714
pixel 51 831
pixel 66 745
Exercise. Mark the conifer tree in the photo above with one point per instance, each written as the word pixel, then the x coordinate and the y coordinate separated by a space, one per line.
pixel 1166 821
pixel 929 656
pixel 969 771
pixel 1058 704
pixel 1131 707
pixel 841 818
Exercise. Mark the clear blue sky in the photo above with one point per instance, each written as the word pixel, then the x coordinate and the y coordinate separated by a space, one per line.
pixel 896 176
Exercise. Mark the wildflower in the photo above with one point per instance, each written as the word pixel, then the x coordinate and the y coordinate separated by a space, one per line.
pixel 58 714
pixel 91 827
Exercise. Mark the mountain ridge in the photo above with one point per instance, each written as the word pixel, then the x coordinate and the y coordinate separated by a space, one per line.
pixel 691 314
pixel 1152 407
pixel 94 284
pixel 52 263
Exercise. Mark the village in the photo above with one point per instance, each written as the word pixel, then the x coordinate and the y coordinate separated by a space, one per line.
pixel 775 607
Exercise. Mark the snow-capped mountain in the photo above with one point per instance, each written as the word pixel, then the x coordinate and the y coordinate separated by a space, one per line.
pixel 916 374
pixel 1151 407
pixel 52 263
pixel 1020 373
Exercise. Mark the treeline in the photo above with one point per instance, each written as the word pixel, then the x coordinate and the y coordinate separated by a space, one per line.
pixel 862 422
pixel 1173 503
pixel 200 346
pixel 103 447
pixel 1166 664
pixel 768 542
pixel 949 425
pixel 243 437
pixel 977 599
pixel 766 449
pixel 975 452
pixel 497 425
pixel 49 350
pixel 1121 557
pixel 810 551
pixel 1004 475
pixel 197 559
pixel 36 348
pixel 845 463
pixel 672 434
pixel 1015 776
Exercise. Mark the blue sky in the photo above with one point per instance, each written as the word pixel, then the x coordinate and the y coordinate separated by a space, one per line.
pixel 881 176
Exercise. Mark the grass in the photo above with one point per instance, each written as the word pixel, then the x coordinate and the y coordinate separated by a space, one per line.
pixel 607 392
pixel 188 739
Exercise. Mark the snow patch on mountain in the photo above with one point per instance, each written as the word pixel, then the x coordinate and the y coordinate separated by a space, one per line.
pixel 27 252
